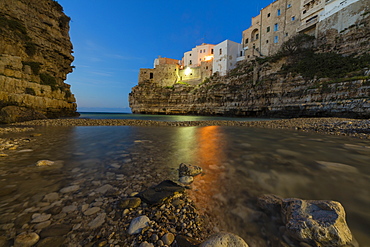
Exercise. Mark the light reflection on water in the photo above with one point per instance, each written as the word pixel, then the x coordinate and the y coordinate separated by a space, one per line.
pixel 240 164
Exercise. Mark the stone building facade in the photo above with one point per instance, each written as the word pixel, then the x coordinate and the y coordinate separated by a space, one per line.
pixel 275 24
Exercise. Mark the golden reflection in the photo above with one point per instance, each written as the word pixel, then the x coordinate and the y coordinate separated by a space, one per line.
pixel 210 156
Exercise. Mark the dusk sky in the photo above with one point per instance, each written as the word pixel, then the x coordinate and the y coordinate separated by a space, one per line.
pixel 113 39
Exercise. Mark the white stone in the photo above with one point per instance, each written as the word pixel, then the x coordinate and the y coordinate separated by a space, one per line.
pixel 224 239
pixel 138 224
pixel 186 179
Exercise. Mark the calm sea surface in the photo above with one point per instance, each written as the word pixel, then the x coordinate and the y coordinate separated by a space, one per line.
pixel 240 164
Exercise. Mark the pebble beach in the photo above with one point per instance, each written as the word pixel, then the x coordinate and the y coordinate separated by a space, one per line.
pixel 101 213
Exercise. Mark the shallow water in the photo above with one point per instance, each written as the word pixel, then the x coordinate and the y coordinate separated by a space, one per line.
pixel 240 164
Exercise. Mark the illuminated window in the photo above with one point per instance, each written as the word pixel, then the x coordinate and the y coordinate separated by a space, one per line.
pixel 276 27
pixel 278 12
pixel 276 39
pixel 293 18
pixel 289 5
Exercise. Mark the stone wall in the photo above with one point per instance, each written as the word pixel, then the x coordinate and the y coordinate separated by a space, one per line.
pixel 35 57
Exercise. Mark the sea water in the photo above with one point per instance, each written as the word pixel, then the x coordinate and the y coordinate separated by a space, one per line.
pixel 239 165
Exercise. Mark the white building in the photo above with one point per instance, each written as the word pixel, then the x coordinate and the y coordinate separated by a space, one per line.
pixel 200 53
pixel 226 55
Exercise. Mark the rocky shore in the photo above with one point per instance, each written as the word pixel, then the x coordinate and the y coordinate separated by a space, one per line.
pixel 335 126
pixel 102 212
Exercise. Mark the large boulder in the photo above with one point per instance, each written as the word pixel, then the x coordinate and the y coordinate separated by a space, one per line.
pixel 13 114
pixel 224 239
pixel 316 222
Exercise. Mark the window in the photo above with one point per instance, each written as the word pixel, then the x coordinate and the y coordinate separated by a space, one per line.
pixel 211 51
pixel 200 51
pixel 257 36
pixel 190 55
pixel 304 11
pixel 267 41
pixel 268 29
pixel 246 41
pixel 268 15
pixel 190 62
pixel 151 75
pixel 220 51
pixel 276 39
pixel 293 18
pixel 241 53
pixel 204 51
pixel 288 6
pixel 276 27
pixel 278 12
pixel 286 34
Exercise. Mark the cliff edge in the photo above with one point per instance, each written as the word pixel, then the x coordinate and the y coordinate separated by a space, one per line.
pixel 35 58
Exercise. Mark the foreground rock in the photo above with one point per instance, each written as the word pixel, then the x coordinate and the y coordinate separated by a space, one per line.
pixel 224 239
pixel 159 193
pixel 311 222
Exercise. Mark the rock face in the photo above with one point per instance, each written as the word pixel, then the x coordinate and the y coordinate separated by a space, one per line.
pixel 35 58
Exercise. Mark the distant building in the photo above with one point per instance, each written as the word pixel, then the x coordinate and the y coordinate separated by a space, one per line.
pixel 200 53
pixel 226 56
pixel 275 24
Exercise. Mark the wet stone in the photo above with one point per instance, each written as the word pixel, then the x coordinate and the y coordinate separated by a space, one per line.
pixel 168 238
pixel 36 218
pixel 98 221
pixel 51 197
pixel 103 189
pixel 160 192
pixel 189 170
pixel 70 189
pixel 7 190
pixel 68 209
pixel 26 239
pixel 51 241
pixel 91 211
pixel 55 230
pixel 42 225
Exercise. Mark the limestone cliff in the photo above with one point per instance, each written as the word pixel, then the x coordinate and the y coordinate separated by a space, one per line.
pixel 35 58
pixel 332 78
